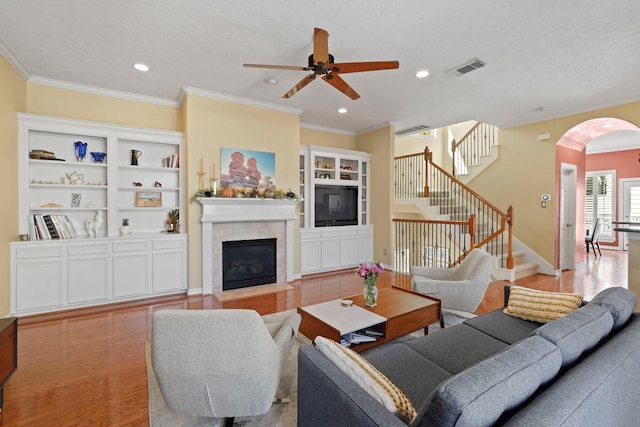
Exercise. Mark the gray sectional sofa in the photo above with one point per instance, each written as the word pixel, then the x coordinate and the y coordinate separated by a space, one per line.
pixel 582 369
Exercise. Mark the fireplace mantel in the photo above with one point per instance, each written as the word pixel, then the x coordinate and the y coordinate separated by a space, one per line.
pixel 216 211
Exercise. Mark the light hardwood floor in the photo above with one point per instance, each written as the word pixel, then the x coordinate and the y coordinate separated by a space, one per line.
pixel 87 367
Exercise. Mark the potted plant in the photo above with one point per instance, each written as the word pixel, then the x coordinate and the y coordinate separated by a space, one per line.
pixel 173 221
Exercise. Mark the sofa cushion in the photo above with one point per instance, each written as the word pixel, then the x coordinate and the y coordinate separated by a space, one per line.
pixel 368 377
pixel 457 347
pixel 502 327
pixel 400 364
pixel 479 395
pixel 540 306
pixel 619 301
pixel 578 331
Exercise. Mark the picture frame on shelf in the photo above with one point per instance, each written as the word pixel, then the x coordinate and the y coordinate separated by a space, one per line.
pixel 148 199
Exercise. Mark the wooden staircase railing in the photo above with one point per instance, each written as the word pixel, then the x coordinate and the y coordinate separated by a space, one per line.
pixel 475 143
pixel 473 221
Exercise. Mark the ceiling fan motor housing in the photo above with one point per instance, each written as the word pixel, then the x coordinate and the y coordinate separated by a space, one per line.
pixel 311 63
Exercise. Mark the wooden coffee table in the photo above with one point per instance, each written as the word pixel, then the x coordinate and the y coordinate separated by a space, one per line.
pixel 399 312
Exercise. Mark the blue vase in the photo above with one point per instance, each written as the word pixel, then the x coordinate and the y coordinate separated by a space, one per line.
pixel 81 150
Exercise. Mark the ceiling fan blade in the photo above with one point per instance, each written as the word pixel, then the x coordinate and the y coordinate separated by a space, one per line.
pixel 355 67
pixel 320 46
pixel 278 67
pixel 300 85
pixel 337 82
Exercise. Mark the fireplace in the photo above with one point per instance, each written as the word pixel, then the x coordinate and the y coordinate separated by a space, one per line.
pixel 248 263
pixel 231 219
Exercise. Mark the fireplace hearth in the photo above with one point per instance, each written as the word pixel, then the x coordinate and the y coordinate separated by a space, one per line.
pixel 248 263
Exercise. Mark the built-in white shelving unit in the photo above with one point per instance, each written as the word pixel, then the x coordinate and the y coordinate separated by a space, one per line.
pixel 56 274
pixel 327 244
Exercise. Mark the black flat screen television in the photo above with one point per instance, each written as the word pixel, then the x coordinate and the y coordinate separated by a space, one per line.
pixel 336 205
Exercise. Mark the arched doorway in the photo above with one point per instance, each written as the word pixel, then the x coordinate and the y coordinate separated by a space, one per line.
pixel 571 149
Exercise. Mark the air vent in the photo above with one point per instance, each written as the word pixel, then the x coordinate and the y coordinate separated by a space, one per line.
pixel 474 64
pixel 412 129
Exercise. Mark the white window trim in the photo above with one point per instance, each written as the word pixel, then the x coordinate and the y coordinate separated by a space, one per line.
pixel 614 192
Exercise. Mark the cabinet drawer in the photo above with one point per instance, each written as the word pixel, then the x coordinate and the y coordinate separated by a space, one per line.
pixel 348 232
pixel 34 251
pixel 309 234
pixel 168 244
pixel 130 246
pixel 332 233
pixel 89 248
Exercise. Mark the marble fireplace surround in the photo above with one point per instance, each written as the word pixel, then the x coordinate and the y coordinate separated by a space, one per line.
pixel 228 219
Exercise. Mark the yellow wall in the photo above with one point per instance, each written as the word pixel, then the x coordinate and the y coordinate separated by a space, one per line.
pixel 12 100
pixel 413 144
pixel 380 144
pixel 528 166
pixel 327 139
pixel 211 124
pixel 57 102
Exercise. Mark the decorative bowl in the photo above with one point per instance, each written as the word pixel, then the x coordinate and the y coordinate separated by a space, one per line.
pixel 98 156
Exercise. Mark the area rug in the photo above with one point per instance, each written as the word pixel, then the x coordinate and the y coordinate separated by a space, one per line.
pixel 280 415
pixel 252 291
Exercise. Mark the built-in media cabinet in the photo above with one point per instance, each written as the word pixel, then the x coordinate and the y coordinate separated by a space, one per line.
pixel 334 229
pixel 94 201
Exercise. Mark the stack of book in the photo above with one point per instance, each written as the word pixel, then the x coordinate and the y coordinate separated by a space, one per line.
pixel 43 155
pixel 358 338
pixel 173 161
pixel 47 227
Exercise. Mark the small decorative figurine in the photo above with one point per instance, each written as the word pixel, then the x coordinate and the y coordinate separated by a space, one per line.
pixel 157 184
pixel 81 150
pixel 135 154
pixel 137 184
pixel 93 226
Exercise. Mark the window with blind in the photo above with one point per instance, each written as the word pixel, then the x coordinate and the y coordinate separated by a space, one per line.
pixel 600 202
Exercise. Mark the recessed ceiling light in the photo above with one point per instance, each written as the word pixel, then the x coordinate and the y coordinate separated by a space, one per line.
pixel 271 81
pixel 422 74
pixel 141 67
pixel 342 110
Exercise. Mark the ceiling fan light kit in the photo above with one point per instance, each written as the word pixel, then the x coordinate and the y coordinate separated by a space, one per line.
pixel 321 63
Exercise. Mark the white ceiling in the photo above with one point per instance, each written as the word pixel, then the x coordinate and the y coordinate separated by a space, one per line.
pixel 545 58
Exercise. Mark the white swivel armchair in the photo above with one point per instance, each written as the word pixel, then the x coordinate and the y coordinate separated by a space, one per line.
pixel 222 363
pixel 459 289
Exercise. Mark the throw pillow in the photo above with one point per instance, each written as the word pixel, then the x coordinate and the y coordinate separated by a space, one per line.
pixel 368 377
pixel 540 306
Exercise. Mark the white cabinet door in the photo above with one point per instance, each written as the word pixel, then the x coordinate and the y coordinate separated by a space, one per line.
pixel 88 279
pixel 169 259
pixel 330 249
pixel 365 244
pixel 348 247
pixel 310 254
pixel 89 275
pixel 130 274
pixel 39 284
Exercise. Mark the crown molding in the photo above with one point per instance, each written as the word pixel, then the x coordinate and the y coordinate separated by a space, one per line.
pixel 14 62
pixel 327 129
pixel 377 127
pixel 104 92
pixel 236 99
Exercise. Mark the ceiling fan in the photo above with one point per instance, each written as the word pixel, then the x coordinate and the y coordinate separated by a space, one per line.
pixel 321 63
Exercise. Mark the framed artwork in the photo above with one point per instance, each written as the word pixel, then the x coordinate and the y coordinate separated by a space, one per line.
pixel 246 169
pixel 148 199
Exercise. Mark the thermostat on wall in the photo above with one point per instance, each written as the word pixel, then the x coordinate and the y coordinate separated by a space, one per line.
pixel 545 197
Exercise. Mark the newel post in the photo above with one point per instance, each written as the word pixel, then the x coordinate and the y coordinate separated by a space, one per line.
pixel 453 156
pixel 472 231
pixel 510 222
pixel 427 160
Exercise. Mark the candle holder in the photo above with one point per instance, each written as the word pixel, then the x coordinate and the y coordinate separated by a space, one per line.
pixel 213 184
